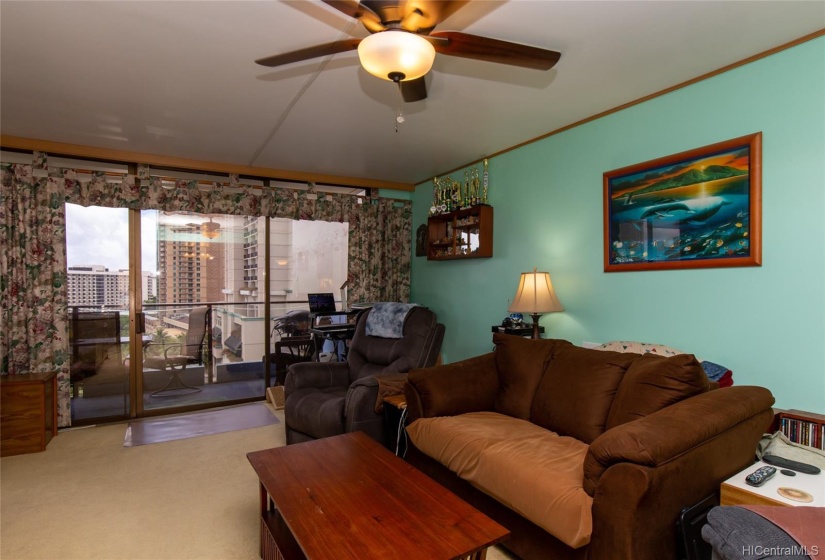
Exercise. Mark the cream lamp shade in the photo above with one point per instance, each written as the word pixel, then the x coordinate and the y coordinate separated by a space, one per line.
pixel 396 55
pixel 535 295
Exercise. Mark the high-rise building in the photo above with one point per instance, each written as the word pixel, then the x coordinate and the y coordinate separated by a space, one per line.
pixel 150 286
pixel 96 286
pixel 190 265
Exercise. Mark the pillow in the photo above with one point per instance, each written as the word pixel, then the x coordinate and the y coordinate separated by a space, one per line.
pixel 639 348
pixel 520 363
pixel 652 383
pixel 575 394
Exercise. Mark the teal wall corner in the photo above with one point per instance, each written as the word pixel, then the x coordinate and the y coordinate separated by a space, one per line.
pixel 765 323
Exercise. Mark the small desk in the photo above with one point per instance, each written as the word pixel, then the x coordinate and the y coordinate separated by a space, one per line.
pixel 337 336
pixel 735 491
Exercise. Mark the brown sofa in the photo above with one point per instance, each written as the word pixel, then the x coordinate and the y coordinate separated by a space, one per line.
pixel 581 453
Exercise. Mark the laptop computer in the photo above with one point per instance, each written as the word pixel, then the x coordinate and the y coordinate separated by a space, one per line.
pixel 321 303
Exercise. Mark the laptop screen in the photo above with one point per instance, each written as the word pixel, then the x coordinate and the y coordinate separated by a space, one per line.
pixel 321 303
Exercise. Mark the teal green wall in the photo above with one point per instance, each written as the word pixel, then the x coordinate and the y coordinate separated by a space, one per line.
pixel 765 323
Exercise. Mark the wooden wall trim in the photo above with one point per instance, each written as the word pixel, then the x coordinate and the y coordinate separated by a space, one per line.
pixel 665 91
pixel 122 156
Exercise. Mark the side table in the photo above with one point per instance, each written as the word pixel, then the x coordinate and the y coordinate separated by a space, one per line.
pixel 735 491
pixel 394 418
pixel 28 412
pixel 526 330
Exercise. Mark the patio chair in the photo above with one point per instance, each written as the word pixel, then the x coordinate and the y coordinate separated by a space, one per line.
pixel 177 356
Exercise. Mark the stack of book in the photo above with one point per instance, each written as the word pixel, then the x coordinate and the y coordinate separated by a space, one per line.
pixel 805 428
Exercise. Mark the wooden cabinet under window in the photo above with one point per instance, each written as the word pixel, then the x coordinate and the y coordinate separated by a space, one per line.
pixel 28 412
pixel 461 234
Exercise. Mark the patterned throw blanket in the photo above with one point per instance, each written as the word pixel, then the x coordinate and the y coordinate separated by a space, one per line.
pixel 386 319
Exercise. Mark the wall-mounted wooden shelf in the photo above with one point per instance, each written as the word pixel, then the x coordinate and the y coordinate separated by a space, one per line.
pixel 461 234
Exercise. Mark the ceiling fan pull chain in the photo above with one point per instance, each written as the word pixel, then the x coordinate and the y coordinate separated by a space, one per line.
pixel 399 119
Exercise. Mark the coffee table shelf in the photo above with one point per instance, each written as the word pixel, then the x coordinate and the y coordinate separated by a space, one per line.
pixel 277 542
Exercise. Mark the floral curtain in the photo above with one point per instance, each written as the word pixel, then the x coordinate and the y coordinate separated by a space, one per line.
pixel 379 251
pixel 33 322
pixel 33 332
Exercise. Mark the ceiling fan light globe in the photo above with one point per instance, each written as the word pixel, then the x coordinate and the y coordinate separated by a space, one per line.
pixel 394 52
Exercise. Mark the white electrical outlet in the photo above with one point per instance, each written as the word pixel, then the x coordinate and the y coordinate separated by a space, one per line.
pixel 586 344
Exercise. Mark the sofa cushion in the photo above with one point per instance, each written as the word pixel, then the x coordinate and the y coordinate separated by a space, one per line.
pixel 652 382
pixel 520 363
pixel 577 390
pixel 533 471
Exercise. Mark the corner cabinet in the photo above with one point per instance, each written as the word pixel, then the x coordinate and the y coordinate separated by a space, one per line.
pixel 461 234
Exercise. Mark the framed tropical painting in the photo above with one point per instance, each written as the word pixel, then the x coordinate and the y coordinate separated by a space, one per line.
pixel 696 209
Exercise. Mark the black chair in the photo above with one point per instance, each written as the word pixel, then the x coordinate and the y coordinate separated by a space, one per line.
pixel 291 350
pixel 294 344
pixel 329 398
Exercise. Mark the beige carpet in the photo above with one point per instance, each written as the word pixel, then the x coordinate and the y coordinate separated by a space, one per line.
pixel 87 497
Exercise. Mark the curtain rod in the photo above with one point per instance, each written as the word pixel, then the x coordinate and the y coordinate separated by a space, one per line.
pixel 108 155
pixel 212 183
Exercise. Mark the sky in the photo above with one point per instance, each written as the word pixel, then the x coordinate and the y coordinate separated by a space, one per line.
pixel 96 235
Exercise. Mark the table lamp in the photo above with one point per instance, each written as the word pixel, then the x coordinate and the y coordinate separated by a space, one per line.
pixel 535 296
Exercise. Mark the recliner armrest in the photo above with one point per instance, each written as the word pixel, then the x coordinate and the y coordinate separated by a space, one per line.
pixel 466 386
pixel 668 433
pixel 318 375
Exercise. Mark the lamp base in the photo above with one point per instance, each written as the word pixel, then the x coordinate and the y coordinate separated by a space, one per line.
pixel 535 317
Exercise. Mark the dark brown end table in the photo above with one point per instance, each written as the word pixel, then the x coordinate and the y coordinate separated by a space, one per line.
pixel 394 421
pixel 348 497
pixel 525 330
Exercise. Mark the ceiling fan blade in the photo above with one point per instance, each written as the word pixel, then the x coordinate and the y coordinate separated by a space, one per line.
pixel 492 50
pixel 309 52
pixel 413 90
pixel 421 16
pixel 354 9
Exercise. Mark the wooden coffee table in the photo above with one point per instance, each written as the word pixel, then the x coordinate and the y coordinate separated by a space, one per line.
pixel 348 497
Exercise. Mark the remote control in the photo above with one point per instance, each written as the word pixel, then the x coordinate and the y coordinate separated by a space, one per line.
pixel 760 476
pixel 788 464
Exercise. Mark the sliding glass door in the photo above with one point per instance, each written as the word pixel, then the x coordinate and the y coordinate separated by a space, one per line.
pixel 191 290
pixel 208 335
pixel 97 255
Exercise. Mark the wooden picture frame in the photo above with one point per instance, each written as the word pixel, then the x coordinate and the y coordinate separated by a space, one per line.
pixel 696 209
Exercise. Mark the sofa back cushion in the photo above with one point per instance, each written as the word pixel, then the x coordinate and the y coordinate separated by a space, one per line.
pixel 520 363
pixel 652 382
pixel 577 390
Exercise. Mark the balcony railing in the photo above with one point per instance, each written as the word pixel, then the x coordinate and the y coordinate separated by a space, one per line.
pixel 231 364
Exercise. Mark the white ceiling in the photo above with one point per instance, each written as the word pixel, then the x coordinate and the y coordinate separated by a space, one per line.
pixel 178 78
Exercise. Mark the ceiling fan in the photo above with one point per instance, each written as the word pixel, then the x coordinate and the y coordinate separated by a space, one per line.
pixel 209 229
pixel 402 44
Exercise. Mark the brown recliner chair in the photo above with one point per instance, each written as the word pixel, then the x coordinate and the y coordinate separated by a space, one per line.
pixel 332 398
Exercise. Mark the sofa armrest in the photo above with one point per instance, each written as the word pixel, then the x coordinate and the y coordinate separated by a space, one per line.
pixel 466 386
pixel 359 408
pixel 642 474
pixel 664 435
pixel 317 375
